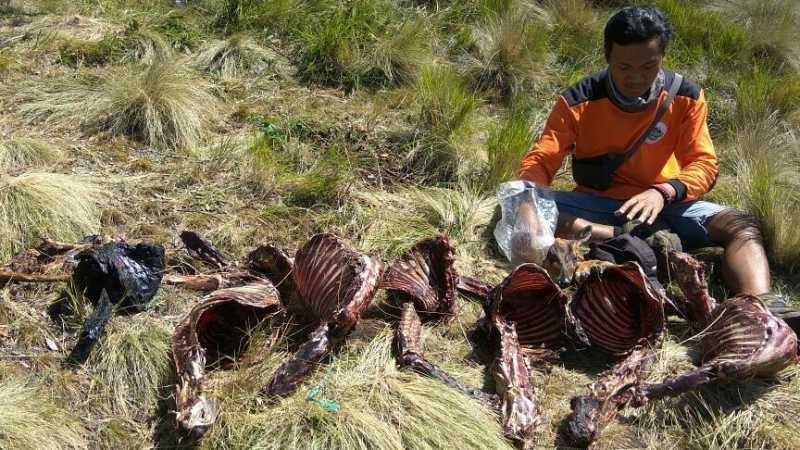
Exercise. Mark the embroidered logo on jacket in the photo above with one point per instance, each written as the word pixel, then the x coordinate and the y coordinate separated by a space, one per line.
pixel 656 133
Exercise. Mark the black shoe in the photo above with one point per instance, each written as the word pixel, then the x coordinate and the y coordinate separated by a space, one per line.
pixel 779 307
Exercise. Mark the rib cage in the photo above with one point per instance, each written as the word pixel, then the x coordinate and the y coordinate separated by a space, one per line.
pixel 425 276
pixel 219 324
pixel 530 300
pixel 616 309
pixel 333 283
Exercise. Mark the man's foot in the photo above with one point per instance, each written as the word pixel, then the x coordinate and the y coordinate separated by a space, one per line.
pixel 779 307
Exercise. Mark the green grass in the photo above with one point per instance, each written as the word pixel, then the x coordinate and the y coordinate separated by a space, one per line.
pixel 509 141
pixel 446 119
pixel 31 420
pixel 160 104
pixel 26 153
pixel 132 363
pixel 511 50
pixel 772 27
pixel 62 207
pixel 767 164
pixel 363 43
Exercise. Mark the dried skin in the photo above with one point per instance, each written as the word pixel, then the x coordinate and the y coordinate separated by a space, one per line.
pixel 202 249
pixel 408 349
pixel 214 332
pixel 591 413
pixel 617 310
pixel 519 403
pixel 333 284
pixel 691 277
pixel 425 276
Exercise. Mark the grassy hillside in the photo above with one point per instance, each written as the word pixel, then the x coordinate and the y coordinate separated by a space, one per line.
pixel 383 121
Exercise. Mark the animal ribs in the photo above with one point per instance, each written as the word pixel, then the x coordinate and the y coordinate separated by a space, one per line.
pixel 617 310
pixel 741 339
pixel 527 312
pixel 214 332
pixel 332 284
pixel 424 275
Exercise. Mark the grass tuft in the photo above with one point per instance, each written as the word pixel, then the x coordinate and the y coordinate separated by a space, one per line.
pixel 22 153
pixel 766 176
pixel 62 207
pixel 446 118
pixel 511 50
pixel 772 27
pixel 509 141
pixel 132 362
pixel 30 420
pixel 159 104
pixel 235 56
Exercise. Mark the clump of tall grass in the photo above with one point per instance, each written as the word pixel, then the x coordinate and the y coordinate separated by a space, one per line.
pixel 576 37
pixel 132 362
pixel 446 117
pixel 277 16
pixel 760 92
pixel 703 36
pixel 511 49
pixel 509 141
pixel 360 400
pixel 364 43
pixel 237 55
pixel 32 205
pixel 30 420
pixel 160 104
pixel 767 163
pixel 21 153
pixel 135 43
pixel 772 27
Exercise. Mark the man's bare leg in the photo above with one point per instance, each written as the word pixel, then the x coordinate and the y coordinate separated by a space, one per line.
pixel 569 226
pixel 745 267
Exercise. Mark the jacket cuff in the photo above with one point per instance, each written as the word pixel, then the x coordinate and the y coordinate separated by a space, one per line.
pixel 680 189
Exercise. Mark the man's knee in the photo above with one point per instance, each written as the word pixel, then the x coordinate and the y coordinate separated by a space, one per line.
pixel 732 225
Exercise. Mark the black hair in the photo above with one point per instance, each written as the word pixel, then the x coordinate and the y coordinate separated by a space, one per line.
pixel 637 24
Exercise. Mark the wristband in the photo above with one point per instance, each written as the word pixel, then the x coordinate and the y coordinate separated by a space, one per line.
pixel 666 191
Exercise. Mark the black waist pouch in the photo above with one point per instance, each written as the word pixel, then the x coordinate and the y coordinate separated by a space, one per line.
pixel 596 172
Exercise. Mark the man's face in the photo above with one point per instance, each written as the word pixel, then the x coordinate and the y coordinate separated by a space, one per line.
pixel 634 67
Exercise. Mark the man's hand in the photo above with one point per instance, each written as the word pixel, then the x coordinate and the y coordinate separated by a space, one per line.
pixel 645 206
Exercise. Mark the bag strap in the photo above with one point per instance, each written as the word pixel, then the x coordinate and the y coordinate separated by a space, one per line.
pixel 673 90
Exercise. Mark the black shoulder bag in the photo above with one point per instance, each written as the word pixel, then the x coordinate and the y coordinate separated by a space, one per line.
pixel 597 172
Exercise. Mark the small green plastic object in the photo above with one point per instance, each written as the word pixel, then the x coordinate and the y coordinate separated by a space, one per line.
pixel 313 396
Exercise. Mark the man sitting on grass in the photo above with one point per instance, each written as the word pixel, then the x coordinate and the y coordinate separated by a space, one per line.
pixel 665 176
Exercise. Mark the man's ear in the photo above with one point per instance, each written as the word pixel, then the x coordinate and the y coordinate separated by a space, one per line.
pixel 584 234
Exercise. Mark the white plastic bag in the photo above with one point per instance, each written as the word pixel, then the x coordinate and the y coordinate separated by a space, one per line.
pixel 527 229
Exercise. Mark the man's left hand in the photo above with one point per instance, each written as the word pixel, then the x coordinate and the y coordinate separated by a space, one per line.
pixel 644 207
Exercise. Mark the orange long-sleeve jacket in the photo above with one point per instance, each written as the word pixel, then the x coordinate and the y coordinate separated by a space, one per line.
pixel 586 121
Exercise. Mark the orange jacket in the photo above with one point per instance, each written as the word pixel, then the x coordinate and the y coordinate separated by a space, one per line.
pixel 587 120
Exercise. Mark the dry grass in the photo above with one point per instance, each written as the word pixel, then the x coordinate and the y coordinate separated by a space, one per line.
pixel 772 27
pixel 132 363
pixel 161 104
pixel 360 400
pixel 30 420
pixel 32 205
pixel 25 153
pixel 235 56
